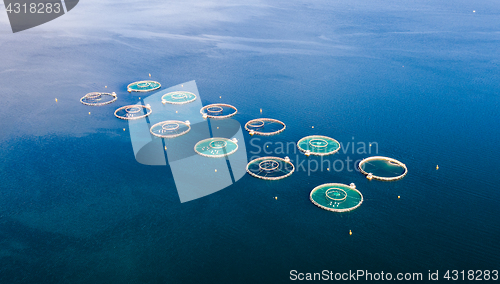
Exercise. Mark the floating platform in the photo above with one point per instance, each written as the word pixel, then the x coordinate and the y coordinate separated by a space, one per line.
pixel 265 126
pixel 98 99
pixel 170 128
pixel 218 111
pixel 382 168
pixel 143 86
pixel 132 112
pixel 216 147
pixel 270 168
pixel 336 197
pixel 318 145
pixel 178 98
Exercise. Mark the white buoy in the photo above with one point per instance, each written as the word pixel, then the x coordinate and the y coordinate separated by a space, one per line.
pixel 352 185
pixel 205 115
pixel 187 122
pixel 252 132
pixel 369 176
pixel 308 153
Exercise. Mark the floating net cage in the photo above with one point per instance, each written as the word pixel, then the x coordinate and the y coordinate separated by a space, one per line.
pixel 170 128
pixel 218 111
pixel 133 112
pixel 318 145
pixel 216 147
pixel 270 168
pixel 265 126
pixel 382 168
pixel 178 98
pixel 336 197
pixel 98 99
pixel 143 86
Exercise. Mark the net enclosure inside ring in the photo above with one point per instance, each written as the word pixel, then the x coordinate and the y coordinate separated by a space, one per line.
pixel 143 86
pixel 131 112
pixel 318 145
pixel 178 98
pixel 382 168
pixel 98 99
pixel 218 111
pixel 270 168
pixel 170 128
pixel 336 197
pixel 216 147
pixel 265 126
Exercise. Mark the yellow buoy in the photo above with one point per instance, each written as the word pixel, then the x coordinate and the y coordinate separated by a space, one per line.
pixel 182 86
pixel 217 127
pixel 165 147
pixel 105 86
pixel 123 129
pixel 220 97
pixel 215 170
pixel 399 196
pixel 328 169
pixel 313 127
pixel 260 110
pixel 130 91
pixel 175 111
pixel 276 197
pixel 437 167
pixel 139 98
pixel 89 112
pixel 56 100
pixel 149 74
pixel 350 232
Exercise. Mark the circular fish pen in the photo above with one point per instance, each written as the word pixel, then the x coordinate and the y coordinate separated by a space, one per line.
pixel 98 99
pixel 216 147
pixel 265 126
pixel 270 168
pixel 336 197
pixel 178 98
pixel 382 168
pixel 318 145
pixel 133 112
pixel 143 86
pixel 218 111
pixel 170 128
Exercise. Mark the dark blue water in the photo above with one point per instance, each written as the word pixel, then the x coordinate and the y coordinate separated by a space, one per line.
pixel 420 81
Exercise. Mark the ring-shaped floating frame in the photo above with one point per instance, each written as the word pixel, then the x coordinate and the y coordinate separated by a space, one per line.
pixel 318 145
pixel 130 112
pixel 260 123
pixel 162 130
pixel 178 97
pixel 219 114
pixel 97 98
pixel 352 199
pixel 143 86
pixel 284 168
pixel 216 147
pixel 390 161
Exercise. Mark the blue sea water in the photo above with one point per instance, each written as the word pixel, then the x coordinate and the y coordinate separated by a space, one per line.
pixel 418 80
